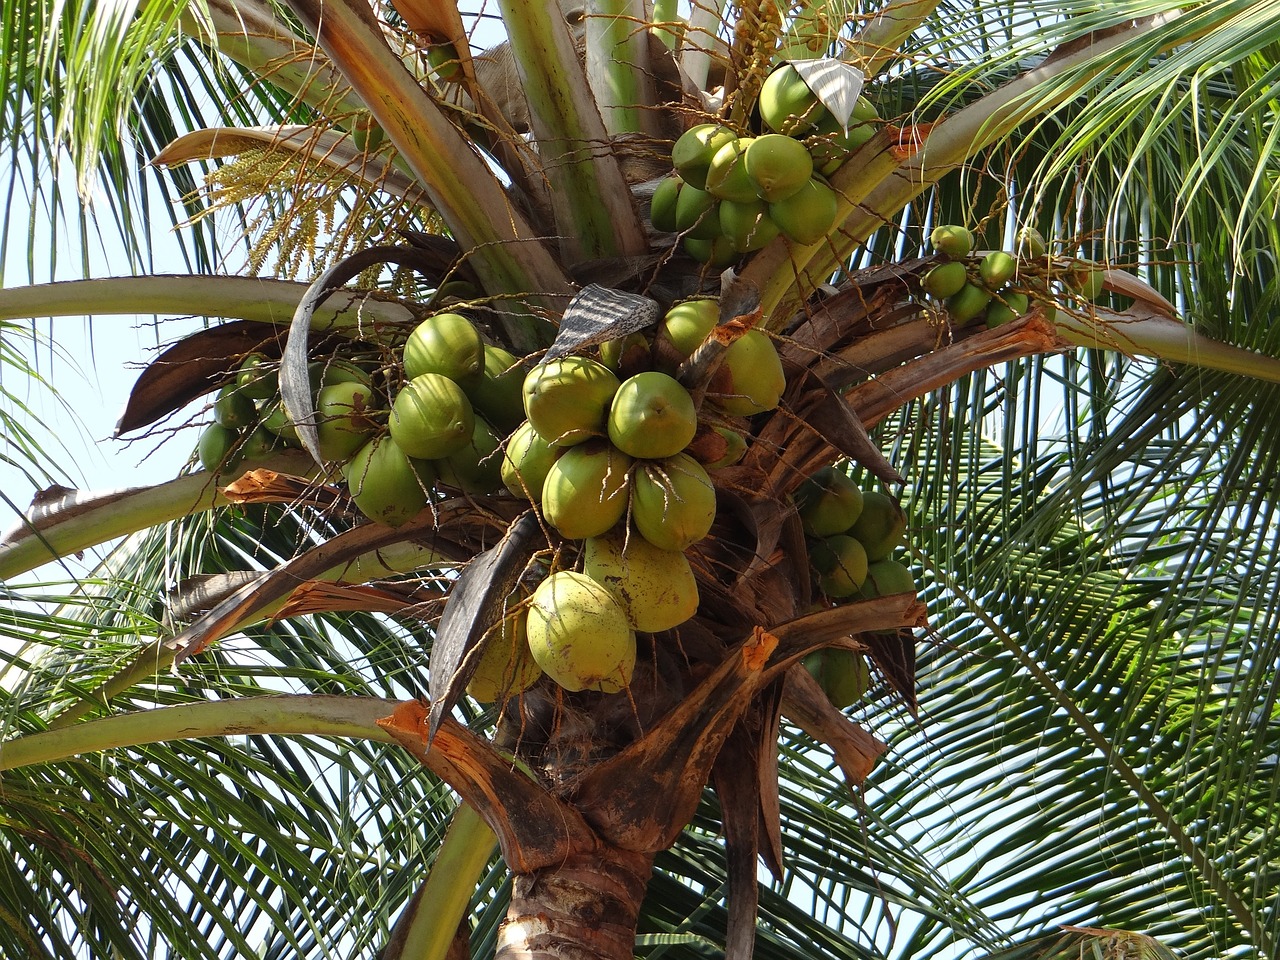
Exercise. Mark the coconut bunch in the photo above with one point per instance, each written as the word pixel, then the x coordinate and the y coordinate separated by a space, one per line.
pixel 999 286
pixel 734 192
pixel 851 534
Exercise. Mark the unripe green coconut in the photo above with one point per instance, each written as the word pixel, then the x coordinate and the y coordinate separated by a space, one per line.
pixel 386 484
pixel 843 675
pixel 727 177
pixel 691 155
pixel 828 502
pixel 841 562
pixel 807 215
pixel 750 378
pixel 585 491
pixel 662 207
pixel 506 665
pixel 258 378
pixel 526 461
pixel 717 447
pixel 656 588
pixel 673 503
pixel 257 444
pixel 1031 243
pixel 652 416
pixel 717 252
pixel 747 226
pixel 477 467
pixel 779 166
pixel 446 343
pixel 276 419
pixel 832 144
pixel 432 417
pixel 689 323
pixel 1012 306
pixel 567 400
pixel 347 414
pixel 887 577
pixel 882 525
pixel 945 280
pixel 996 269
pixel 233 410
pixel 216 447
pixel 697 214
pixel 969 303
pixel 631 350
pixel 952 240
pixel 787 104
pixel 1088 281
pixel 325 373
pixel 579 634
pixel 498 392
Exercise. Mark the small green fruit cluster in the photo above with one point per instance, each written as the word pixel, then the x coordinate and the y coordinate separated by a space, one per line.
pixel 731 195
pixel 250 423
pixel 852 534
pixel 982 289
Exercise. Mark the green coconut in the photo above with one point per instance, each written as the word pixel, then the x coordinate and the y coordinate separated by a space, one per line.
pixel 662 208
pixel 432 417
pixel 258 444
pixel 386 484
pixel 1007 309
pixel 779 166
pixel 579 634
pixel 969 303
pixel 692 152
pixel 216 447
pixel 276 419
pixel 945 280
pixel 585 491
pixel 727 177
pixel 887 577
pixel 882 525
pixel 652 416
pixel 325 373
pixel 716 252
pixel 996 269
pixel 567 400
pixel 347 414
pixel 952 240
pixel 446 343
pixel 258 378
pixel 787 104
pixel 498 391
pixel 477 466
pixel 233 410
pixel 843 675
pixel 841 562
pixel 673 502
pixel 506 666
pixel 750 378
pixel 525 462
pixel 686 325
pixel 655 587
pixel 829 502
pixel 747 225
pixel 697 214
pixel 808 214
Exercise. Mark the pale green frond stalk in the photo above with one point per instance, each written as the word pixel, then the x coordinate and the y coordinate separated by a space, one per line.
pixel 617 66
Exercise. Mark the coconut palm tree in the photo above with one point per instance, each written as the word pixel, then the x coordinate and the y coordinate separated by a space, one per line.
pixel 251 725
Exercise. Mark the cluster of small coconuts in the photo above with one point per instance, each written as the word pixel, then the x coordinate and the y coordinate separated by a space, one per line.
pixel 733 193
pixel 851 534
pixel 992 288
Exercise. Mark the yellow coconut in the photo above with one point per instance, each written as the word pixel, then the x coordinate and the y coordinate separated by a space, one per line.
pixel 655 587
pixel 673 502
pixel 585 492
pixel 506 666
pixel 579 634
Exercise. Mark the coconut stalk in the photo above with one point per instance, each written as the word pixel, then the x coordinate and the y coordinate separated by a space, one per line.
pixel 618 69
pixel 701 40
pixel 227 298
pixel 879 40
pixel 594 214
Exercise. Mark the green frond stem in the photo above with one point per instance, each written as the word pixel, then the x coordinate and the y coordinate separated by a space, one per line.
pixel 878 42
pixel 617 66
pixel 249 33
pixel 468 846
pixel 590 198
pixel 511 261
pixel 1136 332
pixel 701 41
pixel 238 298
pixel 86 520
pixel 291 714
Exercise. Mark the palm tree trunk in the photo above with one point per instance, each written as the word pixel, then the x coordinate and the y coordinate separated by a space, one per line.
pixel 582 909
